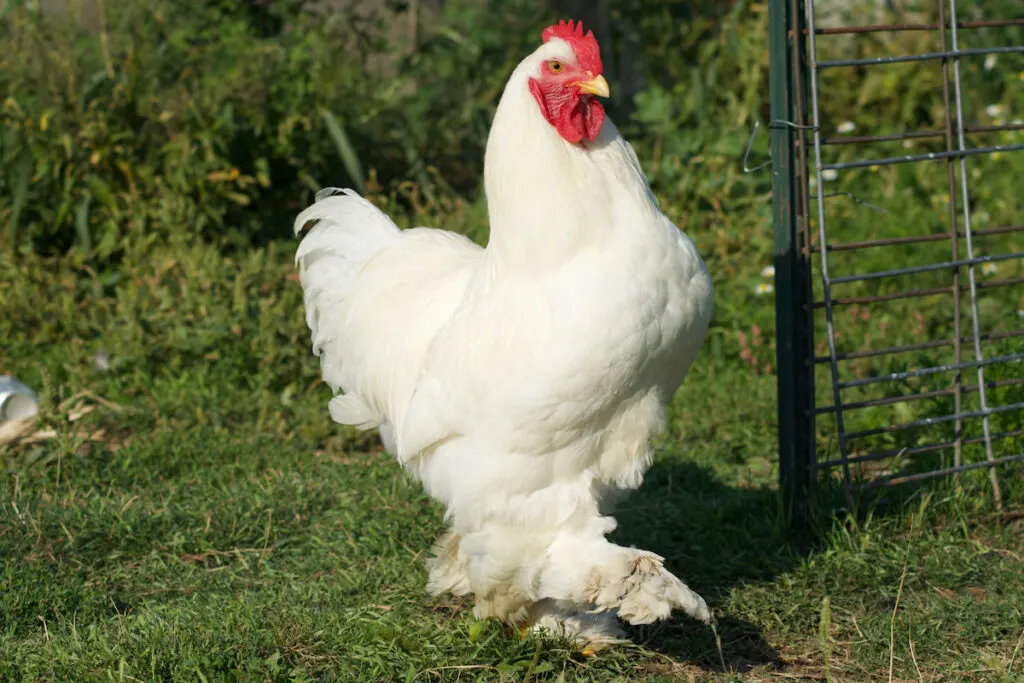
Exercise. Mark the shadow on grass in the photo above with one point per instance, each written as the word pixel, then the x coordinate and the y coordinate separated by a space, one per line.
pixel 718 536
pixel 715 537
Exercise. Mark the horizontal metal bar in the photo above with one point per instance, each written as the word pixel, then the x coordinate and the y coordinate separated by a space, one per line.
pixel 920 346
pixel 918 293
pixel 917 135
pixel 920 396
pixel 914 239
pixel 899 28
pixel 920 476
pixel 923 57
pixel 895 296
pixel 923 372
pixel 929 421
pixel 928 156
pixel 945 265
pixel 916 450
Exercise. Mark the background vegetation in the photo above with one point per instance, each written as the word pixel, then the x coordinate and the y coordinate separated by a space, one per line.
pixel 188 510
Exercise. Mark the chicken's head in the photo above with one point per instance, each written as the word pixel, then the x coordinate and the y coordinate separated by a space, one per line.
pixel 567 81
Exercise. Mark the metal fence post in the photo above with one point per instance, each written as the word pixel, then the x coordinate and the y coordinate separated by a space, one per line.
pixel 908 370
pixel 795 355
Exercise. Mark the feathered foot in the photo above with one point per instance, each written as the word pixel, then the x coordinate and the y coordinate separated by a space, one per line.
pixel 587 583
pixel 642 591
pixel 588 630
pixel 448 570
pixel 449 573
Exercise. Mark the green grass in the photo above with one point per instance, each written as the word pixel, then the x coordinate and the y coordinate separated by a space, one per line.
pixel 207 520
pixel 192 513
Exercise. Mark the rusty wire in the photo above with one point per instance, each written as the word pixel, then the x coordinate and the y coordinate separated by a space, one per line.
pixel 899 28
pixel 968 345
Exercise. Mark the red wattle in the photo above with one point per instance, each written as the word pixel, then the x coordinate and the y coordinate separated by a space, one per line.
pixel 576 117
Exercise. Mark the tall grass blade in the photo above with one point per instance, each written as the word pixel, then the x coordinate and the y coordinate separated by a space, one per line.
pixel 22 173
pixel 82 224
pixel 345 150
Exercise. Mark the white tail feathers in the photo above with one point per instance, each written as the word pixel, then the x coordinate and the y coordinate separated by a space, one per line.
pixel 348 231
pixel 375 297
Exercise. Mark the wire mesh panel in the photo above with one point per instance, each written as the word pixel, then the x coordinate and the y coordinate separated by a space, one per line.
pixel 898 197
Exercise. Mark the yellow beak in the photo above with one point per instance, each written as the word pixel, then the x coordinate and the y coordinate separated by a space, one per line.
pixel 595 86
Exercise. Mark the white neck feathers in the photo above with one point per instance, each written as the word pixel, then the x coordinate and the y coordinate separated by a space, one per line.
pixel 548 200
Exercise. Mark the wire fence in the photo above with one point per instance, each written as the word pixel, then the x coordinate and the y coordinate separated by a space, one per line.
pixel 899 343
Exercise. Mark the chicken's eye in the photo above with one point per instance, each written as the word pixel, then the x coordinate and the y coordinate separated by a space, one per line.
pixel 555 66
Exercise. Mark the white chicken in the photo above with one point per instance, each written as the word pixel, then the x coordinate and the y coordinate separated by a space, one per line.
pixel 520 382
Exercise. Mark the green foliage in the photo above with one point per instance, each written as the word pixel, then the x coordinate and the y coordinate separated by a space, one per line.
pixel 218 123
pixel 177 123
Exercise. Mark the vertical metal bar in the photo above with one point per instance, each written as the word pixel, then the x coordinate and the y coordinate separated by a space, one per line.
pixel 794 355
pixel 806 312
pixel 826 283
pixel 969 243
pixel 955 241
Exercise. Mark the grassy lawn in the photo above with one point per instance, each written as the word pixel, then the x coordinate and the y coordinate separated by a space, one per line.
pixel 185 509
pixel 201 518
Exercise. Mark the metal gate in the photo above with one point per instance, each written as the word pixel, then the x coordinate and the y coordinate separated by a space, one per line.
pixel 899 281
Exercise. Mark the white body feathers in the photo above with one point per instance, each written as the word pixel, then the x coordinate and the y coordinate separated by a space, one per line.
pixel 520 383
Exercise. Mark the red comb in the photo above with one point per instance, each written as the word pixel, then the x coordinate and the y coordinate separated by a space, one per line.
pixel 588 54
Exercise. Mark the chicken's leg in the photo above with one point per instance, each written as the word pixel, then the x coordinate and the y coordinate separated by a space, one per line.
pixel 632 582
pixel 449 571
pixel 569 582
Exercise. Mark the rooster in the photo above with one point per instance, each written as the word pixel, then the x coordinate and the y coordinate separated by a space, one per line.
pixel 520 383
